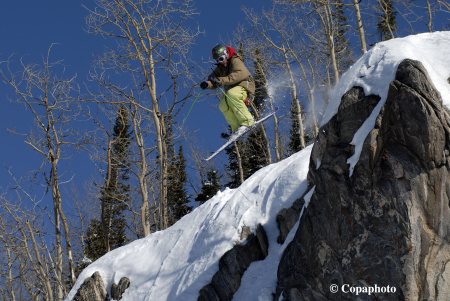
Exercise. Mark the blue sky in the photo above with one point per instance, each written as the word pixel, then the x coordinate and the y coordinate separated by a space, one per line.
pixel 29 27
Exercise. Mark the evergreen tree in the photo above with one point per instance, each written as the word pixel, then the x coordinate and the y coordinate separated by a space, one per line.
pixel 209 187
pixel 294 142
pixel 341 43
pixel 255 148
pixel 387 20
pixel 261 93
pixel 177 195
pixel 115 196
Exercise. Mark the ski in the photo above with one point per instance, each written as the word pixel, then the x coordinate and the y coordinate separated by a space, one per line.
pixel 236 135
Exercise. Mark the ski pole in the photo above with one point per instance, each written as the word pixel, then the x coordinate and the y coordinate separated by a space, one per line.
pixel 233 103
pixel 191 108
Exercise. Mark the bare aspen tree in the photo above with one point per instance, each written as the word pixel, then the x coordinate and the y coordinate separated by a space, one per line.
pixel 28 246
pixel 239 160
pixel 264 60
pixel 8 248
pixel 415 9
pixel 445 6
pixel 273 22
pixel 429 13
pixel 151 40
pixel 327 3
pixel 137 120
pixel 27 265
pixel 295 100
pixel 323 10
pixel 359 24
pixel 308 78
pixel 256 25
pixel 48 98
pixel 82 211
pixel 387 23
pixel 429 23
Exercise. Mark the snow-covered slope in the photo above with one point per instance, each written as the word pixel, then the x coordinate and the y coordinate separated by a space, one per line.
pixel 176 263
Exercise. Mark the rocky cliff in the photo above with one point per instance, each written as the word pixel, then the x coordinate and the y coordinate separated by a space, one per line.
pixel 379 233
pixel 387 225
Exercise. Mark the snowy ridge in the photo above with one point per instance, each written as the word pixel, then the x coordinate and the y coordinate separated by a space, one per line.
pixel 176 263
pixel 376 69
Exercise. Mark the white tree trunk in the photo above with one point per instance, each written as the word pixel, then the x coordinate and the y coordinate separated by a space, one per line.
pixel 362 37
pixel 295 100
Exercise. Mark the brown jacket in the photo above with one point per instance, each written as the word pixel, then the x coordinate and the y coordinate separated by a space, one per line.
pixel 234 74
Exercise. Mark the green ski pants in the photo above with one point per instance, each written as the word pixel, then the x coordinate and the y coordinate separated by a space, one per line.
pixel 233 116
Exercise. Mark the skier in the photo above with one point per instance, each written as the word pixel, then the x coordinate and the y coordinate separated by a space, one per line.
pixel 238 82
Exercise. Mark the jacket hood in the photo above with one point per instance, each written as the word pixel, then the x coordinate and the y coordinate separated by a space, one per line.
pixel 231 52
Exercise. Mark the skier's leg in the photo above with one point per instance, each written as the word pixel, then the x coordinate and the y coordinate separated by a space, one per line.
pixel 226 108
pixel 242 114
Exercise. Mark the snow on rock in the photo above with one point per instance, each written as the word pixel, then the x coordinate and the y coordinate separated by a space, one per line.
pixel 176 263
pixel 376 69
pixel 260 279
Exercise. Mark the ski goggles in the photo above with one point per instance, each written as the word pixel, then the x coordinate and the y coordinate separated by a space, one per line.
pixel 220 59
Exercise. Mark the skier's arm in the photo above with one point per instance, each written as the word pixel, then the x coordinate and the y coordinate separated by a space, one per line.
pixel 239 73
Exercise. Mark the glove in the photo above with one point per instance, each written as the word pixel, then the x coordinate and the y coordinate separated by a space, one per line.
pixel 204 85
pixel 215 81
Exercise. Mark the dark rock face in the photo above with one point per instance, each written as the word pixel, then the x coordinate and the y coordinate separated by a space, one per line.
pixel 388 224
pixel 287 218
pixel 232 266
pixel 92 289
pixel 117 290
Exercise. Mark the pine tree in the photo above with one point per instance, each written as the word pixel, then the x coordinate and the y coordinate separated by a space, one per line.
pixel 177 195
pixel 115 196
pixel 341 43
pixel 210 187
pixel 261 93
pixel 294 141
pixel 255 149
pixel 387 20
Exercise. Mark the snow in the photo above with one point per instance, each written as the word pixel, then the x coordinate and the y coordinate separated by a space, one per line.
pixel 260 279
pixel 176 263
pixel 376 69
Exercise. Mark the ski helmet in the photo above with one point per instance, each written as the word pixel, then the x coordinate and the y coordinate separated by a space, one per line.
pixel 219 53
